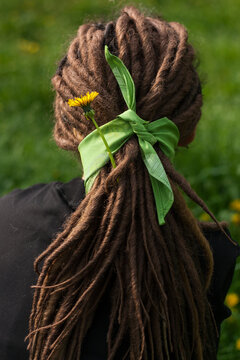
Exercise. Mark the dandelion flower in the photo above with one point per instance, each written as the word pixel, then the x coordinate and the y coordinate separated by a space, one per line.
pixel 235 218
pixel 232 300
pixel 83 101
pixel 204 217
pixel 235 205
pixel 27 46
pixel 238 344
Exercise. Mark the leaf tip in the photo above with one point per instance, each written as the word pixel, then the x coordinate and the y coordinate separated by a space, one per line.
pixel 107 53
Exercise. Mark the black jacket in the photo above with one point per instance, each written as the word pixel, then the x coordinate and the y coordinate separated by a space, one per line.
pixel 29 220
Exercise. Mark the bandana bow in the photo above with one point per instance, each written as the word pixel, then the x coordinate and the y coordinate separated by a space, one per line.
pixel 94 154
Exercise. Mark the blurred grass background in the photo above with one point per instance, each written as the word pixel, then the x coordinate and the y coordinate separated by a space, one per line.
pixel 35 35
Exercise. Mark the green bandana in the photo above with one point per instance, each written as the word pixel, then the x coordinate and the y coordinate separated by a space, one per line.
pixel 94 154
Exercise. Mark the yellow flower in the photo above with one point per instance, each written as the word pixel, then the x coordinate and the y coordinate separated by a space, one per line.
pixel 232 300
pixel 235 218
pixel 235 205
pixel 238 344
pixel 83 101
pixel 204 217
pixel 27 46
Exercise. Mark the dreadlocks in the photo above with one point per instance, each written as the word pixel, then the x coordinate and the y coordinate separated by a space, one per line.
pixel 158 275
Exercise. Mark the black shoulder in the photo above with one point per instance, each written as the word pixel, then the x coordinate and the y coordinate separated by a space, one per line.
pixel 224 251
pixel 41 207
pixel 29 220
pixel 30 210
pixel 225 254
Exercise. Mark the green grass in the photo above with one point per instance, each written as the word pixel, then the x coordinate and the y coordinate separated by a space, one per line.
pixel 35 34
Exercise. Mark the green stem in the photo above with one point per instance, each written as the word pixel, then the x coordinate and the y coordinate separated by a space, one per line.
pixel 103 139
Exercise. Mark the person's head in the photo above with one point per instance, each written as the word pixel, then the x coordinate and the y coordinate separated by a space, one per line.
pixel 158 276
pixel 160 60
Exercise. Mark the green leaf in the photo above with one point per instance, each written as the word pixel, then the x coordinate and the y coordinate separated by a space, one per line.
pixel 123 78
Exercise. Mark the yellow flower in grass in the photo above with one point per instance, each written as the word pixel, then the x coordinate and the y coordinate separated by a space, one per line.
pixel 235 205
pixel 235 218
pixel 83 101
pixel 30 47
pixel 204 217
pixel 232 300
pixel 238 344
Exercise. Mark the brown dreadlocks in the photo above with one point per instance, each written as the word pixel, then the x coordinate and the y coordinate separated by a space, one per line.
pixel 158 275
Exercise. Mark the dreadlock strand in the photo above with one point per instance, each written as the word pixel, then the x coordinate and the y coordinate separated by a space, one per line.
pixel 160 79
pixel 154 228
pixel 183 46
pixel 206 260
pixel 144 29
pixel 133 265
pixel 156 329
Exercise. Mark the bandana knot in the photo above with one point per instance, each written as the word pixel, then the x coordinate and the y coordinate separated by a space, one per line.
pixel 138 126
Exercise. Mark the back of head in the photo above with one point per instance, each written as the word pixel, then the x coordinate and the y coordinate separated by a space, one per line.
pixel 158 275
pixel 159 58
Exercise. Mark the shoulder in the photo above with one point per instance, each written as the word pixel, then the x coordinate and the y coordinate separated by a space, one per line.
pixel 29 220
pixel 39 206
pixel 225 254
pixel 224 251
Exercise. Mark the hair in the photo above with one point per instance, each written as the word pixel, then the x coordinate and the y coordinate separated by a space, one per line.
pixel 158 275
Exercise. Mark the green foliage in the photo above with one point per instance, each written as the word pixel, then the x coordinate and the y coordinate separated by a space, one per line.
pixel 35 35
